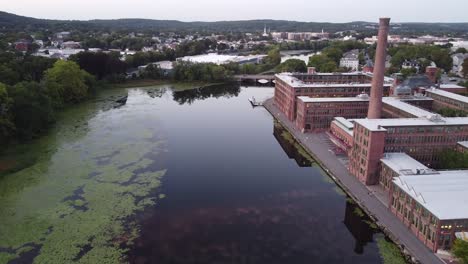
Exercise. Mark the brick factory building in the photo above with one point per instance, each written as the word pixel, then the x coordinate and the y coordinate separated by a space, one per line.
pixel 432 204
pixel 289 86
pixel 392 142
pixel 444 99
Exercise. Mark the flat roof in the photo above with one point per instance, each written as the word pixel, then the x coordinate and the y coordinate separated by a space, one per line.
pixel 403 164
pixel 381 124
pixel 293 81
pixel 450 95
pixel 463 144
pixel 345 122
pixel 411 109
pixel 451 86
pixel 307 99
pixel 445 194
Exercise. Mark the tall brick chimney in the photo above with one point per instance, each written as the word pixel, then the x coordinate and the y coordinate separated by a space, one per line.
pixel 375 103
pixel 431 73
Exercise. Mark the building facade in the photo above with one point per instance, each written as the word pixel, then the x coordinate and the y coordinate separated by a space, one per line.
pixel 289 86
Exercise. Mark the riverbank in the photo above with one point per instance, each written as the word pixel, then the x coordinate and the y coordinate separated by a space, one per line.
pixel 315 145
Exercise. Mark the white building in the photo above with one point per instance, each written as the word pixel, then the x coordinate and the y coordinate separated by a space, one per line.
pixel 458 60
pixel 350 60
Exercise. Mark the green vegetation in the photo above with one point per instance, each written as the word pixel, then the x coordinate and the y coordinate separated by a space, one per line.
pixel 28 106
pixel 451 159
pixel 449 112
pixel 66 83
pixel 461 50
pixel 330 57
pixel 76 201
pixel 292 65
pixel 460 250
pixel 322 63
pixel 207 72
pixel 423 53
pixel 389 252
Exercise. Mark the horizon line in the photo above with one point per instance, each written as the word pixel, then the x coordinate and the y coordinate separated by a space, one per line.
pixel 234 20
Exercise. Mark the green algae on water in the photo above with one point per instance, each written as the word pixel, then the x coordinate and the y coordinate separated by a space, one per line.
pixel 92 174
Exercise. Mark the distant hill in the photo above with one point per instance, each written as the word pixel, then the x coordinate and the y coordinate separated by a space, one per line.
pixel 11 22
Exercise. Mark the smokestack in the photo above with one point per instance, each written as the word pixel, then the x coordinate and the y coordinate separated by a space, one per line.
pixel 375 104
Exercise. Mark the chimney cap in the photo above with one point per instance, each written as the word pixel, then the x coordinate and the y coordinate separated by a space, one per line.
pixel 385 21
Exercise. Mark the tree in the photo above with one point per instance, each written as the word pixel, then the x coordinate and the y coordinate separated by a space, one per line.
pixel 461 50
pixel 451 159
pixel 31 109
pixel 333 53
pixel 292 65
pixel 100 64
pixel 66 83
pixel 6 126
pixel 274 57
pixel 460 250
pixel 406 72
pixel 322 63
pixel 465 68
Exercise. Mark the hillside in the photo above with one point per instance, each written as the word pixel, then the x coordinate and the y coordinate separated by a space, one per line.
pixel 12 22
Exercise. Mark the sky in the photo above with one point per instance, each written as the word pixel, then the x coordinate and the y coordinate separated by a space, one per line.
pixel 216 10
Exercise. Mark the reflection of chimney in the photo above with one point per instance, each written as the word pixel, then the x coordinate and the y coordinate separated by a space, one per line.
pixel 375 104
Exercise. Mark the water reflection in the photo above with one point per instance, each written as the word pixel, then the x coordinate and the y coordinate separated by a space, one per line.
pixel 232 195
pixel 213 91
pixel 359 226
pixel 289 147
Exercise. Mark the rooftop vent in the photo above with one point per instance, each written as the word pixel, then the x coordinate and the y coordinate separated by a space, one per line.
pixel 435 118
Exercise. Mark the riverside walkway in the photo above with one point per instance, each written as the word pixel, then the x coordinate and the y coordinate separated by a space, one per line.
pixel 365 197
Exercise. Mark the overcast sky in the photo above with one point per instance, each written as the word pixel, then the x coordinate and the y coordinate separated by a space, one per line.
pixel 215 10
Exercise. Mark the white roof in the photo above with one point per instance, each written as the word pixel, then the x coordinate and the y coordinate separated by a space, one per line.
pixel 403 164
pixel 454 96
pixel 381 124
pixel 218 58
pixel 293 81
pixel 463 144
pixel 344 124
pixel 445 194
pixel 411 109
pixel 450 86
pixel 307 99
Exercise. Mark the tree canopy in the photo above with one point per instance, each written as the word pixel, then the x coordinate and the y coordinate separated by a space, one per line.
pixel 66 83
pixel 460 250
pixel 292 65
pixel 322 63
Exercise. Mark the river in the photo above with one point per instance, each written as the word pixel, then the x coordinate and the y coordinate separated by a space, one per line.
pixel 175 175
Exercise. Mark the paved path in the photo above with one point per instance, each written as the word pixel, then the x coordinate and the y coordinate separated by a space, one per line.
pixel 315 144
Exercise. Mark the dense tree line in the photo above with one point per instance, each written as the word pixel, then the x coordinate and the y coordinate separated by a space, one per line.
pixel 451 159
pixel 329 59
pixel 460 250
pixel 28 107
pixel 422 53
pixel 449 112
pixel 292 65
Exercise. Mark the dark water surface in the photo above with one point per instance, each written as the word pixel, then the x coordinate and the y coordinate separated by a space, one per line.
pixel 238 192
pixel 183 176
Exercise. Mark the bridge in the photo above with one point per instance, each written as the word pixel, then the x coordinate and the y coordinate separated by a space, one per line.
pixel 255 78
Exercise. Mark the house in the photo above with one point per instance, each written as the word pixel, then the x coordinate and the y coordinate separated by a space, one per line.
pixel 350 60
pixel 458 60
pixel 22 45
pixel 71 45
